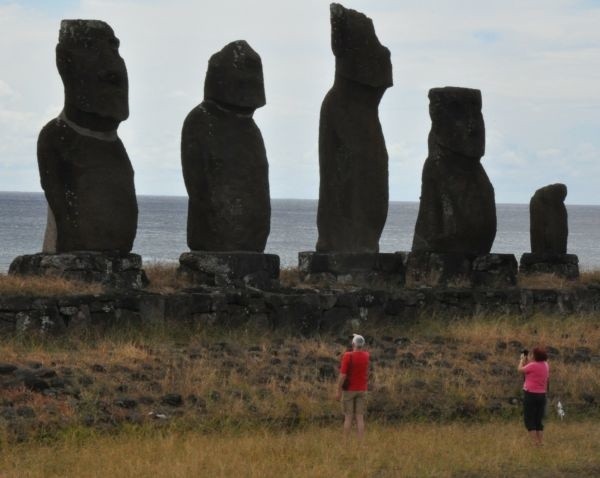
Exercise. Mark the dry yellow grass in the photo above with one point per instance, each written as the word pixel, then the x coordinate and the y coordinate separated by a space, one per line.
pixel 407 450
pixel 12 285
pixel 545 281
pixel 163 277
pixel 289 277
pixel 590 277
pixel 256 378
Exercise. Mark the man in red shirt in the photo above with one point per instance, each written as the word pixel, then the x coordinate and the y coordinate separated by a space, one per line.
pixel 352 385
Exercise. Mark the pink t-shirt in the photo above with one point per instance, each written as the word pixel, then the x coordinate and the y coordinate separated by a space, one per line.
pixel 536 377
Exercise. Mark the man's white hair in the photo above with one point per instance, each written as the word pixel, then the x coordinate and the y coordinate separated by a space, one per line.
pixel 358 340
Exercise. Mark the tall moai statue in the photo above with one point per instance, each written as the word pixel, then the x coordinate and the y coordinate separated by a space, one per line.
pixel 549 230
pixel 84 169
pixel 456 223
pixel 226 172
pixel 353 160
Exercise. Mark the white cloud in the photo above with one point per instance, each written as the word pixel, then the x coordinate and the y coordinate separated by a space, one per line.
pixel 539 77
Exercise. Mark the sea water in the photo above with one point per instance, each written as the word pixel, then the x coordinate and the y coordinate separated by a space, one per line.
pixel 161 234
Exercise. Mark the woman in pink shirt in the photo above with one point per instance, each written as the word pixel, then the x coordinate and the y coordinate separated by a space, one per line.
pixel 535 387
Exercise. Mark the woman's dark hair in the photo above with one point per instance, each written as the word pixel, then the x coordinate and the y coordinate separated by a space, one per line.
pixel 539 354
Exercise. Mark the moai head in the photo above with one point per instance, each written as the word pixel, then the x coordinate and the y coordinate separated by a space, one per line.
pixel 456 121
pixel 93 73
pixel 552 195
pixel 358 54
pixel 235 77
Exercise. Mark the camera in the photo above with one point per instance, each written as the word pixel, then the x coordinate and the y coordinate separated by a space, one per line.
pixel 525 352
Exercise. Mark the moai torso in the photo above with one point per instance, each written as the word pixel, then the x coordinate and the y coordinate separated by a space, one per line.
pixel 84 169
pixel 353 161
pixel 224 159
pixel 457 212
pixel 549 227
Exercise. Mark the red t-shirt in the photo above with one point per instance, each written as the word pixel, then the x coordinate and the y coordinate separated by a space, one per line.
pixel 356 367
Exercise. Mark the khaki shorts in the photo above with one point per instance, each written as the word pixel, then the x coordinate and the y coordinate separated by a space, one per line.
pixel 354 403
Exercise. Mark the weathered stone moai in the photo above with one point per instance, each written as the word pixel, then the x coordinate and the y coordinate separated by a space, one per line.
pixel 549 230
pixel 226 174
pixel 84 169
pixel 353 160
pixel 457 215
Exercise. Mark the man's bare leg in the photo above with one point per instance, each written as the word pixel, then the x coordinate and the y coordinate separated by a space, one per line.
pixel 347 424
pixel 360 426
pixel 539 434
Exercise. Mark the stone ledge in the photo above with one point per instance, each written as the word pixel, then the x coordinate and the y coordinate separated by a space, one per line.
pixel 235 268
pixel 436 269
pixel 362 268
pixel 110 269
pixel 563 265
pixel 301 311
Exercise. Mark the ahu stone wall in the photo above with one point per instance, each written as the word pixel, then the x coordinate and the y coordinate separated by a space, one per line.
pixel 300 311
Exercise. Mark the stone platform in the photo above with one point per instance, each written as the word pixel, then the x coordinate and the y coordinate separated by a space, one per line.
pixel 113 270
pixel 365 269
pixel 434 269
pixel 563 265
pixel 236 268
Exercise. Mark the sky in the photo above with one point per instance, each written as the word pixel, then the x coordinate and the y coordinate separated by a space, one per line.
pixel 537 63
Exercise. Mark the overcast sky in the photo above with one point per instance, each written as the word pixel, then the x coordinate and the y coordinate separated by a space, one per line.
pixel 537 63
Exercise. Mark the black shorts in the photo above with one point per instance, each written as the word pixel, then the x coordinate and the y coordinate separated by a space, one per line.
pixel 534 408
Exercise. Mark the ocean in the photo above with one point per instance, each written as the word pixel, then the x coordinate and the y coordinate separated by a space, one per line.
pixel 161 232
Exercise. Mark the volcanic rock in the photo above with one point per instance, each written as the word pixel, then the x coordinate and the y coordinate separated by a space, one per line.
pixel 84 169
pixel 353 160
pixel 223 156
pixel 457 213
pixel 548 220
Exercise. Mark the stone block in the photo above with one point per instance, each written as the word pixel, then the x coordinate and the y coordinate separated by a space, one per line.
pixel 563 265
pixel 457 270
pixel 112 270
pixel 495 271
pixel 364 269
pixel 238 269
pixel 435 269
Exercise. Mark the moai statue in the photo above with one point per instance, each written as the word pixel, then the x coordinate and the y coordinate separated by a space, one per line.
pixel 548 220
pixel 353 160
pixel 457 212
pixel 84 169
pixel 549 230
pixel 223 156
pixel 456 224
pixel 226 172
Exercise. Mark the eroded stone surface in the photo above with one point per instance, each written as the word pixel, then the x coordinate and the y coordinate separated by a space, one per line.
pixel 230 268
pixel 114 270
pixel 457 213
pixel 84 169
pixel 564 265
pixel 223 156
pixel 353 160
pixel 366 269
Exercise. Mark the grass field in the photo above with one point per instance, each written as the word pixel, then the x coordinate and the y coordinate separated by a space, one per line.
pixel 406 450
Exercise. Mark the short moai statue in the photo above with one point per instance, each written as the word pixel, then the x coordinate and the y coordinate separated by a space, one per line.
pixel 456 222
pixel 549 231
pixel 353 160
pixel 226 175
pixel 84 169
